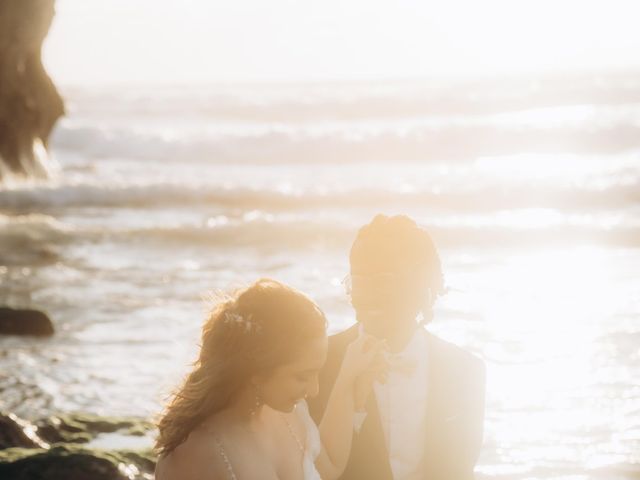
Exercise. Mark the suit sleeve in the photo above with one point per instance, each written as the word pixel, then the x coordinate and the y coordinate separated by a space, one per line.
pixel 472 421
pixel 477 412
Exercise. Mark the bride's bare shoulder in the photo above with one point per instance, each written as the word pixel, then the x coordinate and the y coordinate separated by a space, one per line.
pixel 194 459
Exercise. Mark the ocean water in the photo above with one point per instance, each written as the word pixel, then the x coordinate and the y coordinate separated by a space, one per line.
pixel 530 187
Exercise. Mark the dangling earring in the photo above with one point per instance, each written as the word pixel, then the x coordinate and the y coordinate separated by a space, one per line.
pixel 258 401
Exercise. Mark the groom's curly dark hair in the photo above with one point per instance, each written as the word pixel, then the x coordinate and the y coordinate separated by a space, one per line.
pixel 392 243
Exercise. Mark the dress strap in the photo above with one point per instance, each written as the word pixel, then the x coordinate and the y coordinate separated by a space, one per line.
pixel 225 459
pixel 294 435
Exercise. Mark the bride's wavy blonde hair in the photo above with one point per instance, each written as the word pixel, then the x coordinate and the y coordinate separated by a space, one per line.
pixel 253 331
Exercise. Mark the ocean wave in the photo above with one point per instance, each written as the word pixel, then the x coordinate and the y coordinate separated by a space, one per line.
pixel 31 239
pixel 484 198
pixel 35 227
pixel 260 231
pixel 359 100
pixel 283 145
pixel 306 234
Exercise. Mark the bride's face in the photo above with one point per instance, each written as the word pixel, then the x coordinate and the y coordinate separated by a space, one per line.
pixel 298 379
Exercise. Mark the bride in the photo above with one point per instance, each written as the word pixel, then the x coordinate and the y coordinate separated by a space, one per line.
pixel 241 412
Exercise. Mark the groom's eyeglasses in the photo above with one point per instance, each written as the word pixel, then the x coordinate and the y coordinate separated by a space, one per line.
pixel 383 283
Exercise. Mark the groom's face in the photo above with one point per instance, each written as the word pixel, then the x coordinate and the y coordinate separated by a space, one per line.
pixel 384 299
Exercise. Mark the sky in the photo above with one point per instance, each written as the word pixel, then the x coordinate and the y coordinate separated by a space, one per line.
pixel 194 41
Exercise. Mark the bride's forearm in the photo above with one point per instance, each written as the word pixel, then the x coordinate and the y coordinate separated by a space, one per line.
pixel 336 427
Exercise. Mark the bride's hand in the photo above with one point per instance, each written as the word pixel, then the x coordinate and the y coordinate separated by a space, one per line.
pixel 364 362
pixel 363 384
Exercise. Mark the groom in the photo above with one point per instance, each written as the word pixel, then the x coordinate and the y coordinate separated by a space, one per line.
pixel 425 422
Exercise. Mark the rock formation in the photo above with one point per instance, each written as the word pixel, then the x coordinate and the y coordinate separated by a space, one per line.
pixel 25 322
pixel 57 448
pixel 29 102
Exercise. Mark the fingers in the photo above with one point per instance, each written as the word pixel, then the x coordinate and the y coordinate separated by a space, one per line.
pixel 366 343
pixel 362 388
pixel 365 354
pixel 377 369
pixel 363 343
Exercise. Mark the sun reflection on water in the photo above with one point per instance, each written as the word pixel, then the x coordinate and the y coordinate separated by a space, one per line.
pixel 559 386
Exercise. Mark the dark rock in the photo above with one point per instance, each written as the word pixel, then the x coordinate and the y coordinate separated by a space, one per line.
pixel 54 434
pixel 29 102
pixel 25 455
pixel 15 432
pixel 81 428
pixel 24 322
pixel 66 463
pixel 145 460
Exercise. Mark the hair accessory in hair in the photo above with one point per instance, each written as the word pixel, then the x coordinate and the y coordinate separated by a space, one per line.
pixel 247 324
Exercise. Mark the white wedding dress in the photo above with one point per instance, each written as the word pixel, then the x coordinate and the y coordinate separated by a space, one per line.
pixel 310 446
pixel 312 443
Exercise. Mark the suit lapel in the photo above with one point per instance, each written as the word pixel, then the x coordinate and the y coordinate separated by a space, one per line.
pixel 369 457
pixel 372 427
pixel 438 402
pixel 432 386
pixel 434 407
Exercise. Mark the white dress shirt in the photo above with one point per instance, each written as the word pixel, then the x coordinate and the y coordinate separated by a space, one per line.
pixel 402 406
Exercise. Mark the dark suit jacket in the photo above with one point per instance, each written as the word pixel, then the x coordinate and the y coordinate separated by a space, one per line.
pixel 455 414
